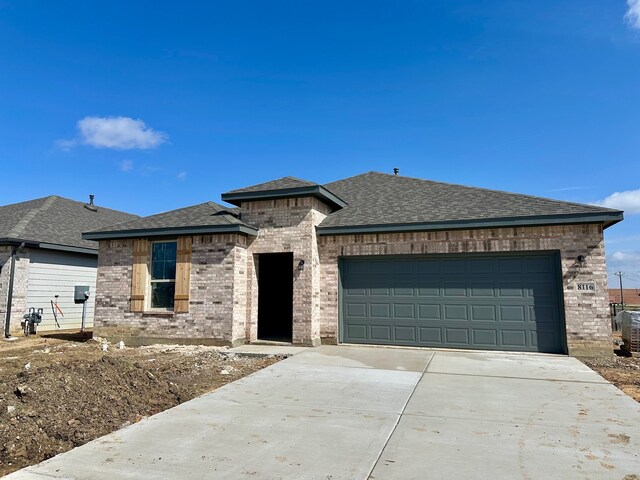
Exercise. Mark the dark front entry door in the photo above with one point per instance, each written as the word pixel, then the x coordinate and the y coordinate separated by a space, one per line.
pixel 275 296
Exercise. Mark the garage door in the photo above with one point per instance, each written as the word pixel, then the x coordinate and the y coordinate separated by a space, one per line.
pixel 479 302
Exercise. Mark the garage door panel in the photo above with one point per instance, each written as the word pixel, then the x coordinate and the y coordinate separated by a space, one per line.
pixel 379 291
pixel 510 290
pixel 483 313
pixel 428 288
pixel 486 302
pixel 482 265
pixel 404 334
pixel 430 336
pixel 541 314
pixel 540 265
pixel 357 310
pixel 429 312
pixel 454 266
pixel 355 332
pixel 403 289
pixel 480 289
pixel 510 339
pixel 404 311
pixel 512 313
pixel 485 337
pixel 429 267
pixel 404 267
pixel 509 265
pixel 454 290
pixel 456 336
pixel 381 332
pixel 541 291
pixel 379 310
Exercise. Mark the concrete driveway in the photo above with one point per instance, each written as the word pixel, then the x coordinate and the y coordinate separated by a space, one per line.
pixel 382 413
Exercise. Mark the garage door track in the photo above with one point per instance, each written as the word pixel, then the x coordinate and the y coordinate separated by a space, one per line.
pixel 381 413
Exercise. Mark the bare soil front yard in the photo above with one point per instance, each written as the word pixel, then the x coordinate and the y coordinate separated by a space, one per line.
pixel 57 394
pixel 623 372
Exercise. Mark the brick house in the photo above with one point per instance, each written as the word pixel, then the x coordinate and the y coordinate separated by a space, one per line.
pixel 373 259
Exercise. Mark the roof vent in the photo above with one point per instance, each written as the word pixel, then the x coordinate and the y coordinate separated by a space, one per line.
pixel 396 171
pixel 90 205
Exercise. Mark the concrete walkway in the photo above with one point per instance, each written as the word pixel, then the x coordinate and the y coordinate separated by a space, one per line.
pixel 382 413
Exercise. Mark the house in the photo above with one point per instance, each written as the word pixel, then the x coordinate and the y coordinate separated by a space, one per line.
pixel 370 259
pixel 43 254
pixel 631 295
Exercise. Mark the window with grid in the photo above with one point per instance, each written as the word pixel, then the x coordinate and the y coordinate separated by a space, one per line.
pixel 163 274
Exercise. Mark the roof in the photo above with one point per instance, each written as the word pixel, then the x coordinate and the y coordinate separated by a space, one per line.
pixel 382 202
pixel 208 217
pixel 371 202
pixel 279 184
pixel 286 187
pixel 55 221
pixel 631 295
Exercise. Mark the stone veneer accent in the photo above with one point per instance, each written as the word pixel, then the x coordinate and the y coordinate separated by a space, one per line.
pixel 586 314
pixel 224 286
pixel 20 284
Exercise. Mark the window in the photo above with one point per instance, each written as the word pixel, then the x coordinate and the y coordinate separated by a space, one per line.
pixel 163 274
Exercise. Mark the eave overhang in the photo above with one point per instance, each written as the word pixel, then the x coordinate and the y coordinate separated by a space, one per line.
pixel 606 218
pixel 316 191
pixel 172 232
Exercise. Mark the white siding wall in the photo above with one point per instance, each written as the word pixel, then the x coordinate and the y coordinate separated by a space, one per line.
pixel 57 273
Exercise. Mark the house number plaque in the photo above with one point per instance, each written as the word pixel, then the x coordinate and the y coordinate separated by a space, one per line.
pixel 587 287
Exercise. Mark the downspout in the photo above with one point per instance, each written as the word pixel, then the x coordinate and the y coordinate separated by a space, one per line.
pixel 7 323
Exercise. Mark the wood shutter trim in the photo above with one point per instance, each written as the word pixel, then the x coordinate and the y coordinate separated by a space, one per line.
pixel 183 273
pixel 141 249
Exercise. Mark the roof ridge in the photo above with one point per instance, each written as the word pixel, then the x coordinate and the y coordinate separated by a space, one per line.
pixel 24 221
pixel 537 197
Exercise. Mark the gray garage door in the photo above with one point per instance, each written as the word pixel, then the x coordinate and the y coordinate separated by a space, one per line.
pixel 480 302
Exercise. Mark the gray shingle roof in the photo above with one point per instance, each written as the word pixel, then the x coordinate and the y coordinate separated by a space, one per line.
pixel 208 214
pixel 56 220
pixel 380 199
pixel 279 184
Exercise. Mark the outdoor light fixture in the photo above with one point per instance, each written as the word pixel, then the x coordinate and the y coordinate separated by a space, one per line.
pixel 581 260
pixel 301 265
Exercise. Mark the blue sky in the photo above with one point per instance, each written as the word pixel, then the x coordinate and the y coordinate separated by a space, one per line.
pixel 156 105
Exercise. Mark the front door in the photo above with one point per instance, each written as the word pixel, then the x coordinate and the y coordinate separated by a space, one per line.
pixel 275 296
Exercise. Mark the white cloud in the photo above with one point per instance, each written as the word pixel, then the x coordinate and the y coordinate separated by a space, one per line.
pixel 633 13
pixel 182 176
pixel 620 256
pixel 119 133
pixel 628 262
pixel 629 201
pixel 126 165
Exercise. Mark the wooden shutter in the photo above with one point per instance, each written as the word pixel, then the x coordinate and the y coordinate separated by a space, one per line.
pixel 141 249
pixel 183 272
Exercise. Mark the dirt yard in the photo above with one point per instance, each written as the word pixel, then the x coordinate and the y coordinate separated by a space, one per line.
pixel 57 394
pixel 623 372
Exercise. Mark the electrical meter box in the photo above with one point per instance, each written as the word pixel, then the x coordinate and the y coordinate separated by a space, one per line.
pixel 81 293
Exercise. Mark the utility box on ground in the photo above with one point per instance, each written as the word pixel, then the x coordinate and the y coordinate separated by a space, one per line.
pixel 630 325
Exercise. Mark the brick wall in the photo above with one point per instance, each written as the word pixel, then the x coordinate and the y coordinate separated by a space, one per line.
pixel 20 285
pixel 225 268
pixel 288 225
pixel 587 314
pixel 218 272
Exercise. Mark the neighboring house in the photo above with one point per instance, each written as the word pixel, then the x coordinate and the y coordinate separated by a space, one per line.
pixel 371 259
pixel 43 239
pixel 631 295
